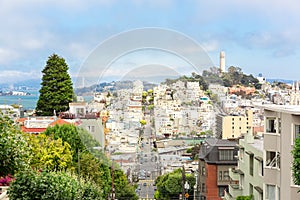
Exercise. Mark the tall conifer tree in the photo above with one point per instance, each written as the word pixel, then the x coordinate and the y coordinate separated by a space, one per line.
pixel 57 90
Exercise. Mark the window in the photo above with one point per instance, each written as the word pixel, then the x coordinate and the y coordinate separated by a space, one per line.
pixel 251 158
pixel 270 193
pixel 220 175
pixel 203 187
pixel 222 190
pixel 226 155
pixel 296 133
pixel 260 196
pixel 226 176
pixel 270 125
pixel 242 180
pixel 92 129
pixel 203 171
pixel 242 152
pixel 273 159
pixel 250 188
pixel 261 168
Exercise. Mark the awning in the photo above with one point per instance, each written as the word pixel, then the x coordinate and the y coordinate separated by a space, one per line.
pixel 249 152
pixel 239 171
pixel 258 189
pixel 258 158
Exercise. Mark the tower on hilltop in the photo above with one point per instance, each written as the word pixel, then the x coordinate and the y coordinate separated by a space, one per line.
pixel 222 61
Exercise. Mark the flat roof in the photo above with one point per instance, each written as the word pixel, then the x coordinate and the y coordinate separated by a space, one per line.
pixel 291 109
pixel 258 144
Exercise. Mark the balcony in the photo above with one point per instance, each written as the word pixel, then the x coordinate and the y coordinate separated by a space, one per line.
pixel 228 196
pixel 272 175
pixel 235 190
pixel 272 141
pixel 234 174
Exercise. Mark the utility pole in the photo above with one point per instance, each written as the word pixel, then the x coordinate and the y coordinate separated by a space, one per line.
pixel 183 182
pixel 78 154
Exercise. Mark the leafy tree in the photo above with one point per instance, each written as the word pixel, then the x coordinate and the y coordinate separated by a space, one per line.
pixel 150 92
pixel 296 161
pixel 123 190
pixel 195 151
pixel 169 185
pixel 57 91
pixel 94 165
pixel 143 122
pixel 50 154
pixel 97 171
pixel 14 151
pixel 78 138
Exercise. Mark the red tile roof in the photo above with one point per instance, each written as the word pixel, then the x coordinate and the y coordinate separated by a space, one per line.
pixel 59 122
pixel 32 130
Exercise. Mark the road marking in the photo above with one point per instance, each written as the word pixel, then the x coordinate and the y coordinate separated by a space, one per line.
pixel 146 199
pixel 147 181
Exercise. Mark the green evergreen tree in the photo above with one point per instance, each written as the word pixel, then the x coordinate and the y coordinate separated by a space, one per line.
pixel 57 91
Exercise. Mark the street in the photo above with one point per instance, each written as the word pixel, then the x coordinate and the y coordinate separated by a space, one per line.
pixel 149 166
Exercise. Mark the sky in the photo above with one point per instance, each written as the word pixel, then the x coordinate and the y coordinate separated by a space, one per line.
pixel 257 36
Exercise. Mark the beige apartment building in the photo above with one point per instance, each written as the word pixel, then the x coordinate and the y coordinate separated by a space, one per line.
pixel 282 126
pixel 233 126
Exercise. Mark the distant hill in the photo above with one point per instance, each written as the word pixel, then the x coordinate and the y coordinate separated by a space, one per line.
pixel 271 80
pixel 36 83
pixel 32 84
pixel 110 86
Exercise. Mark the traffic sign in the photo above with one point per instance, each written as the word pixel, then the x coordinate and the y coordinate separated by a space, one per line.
pixel 186 195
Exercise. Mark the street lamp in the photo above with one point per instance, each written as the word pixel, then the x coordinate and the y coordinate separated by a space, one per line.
pixel 196 186
pixel 186 188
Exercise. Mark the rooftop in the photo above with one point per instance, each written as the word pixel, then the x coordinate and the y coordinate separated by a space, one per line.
pixel 291 109
pixel 219 142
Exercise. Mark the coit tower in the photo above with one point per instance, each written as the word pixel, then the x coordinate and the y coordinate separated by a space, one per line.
pixel 222 61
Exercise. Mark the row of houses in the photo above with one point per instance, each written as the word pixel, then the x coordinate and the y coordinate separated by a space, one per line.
pixel 182 108
pixel 253 165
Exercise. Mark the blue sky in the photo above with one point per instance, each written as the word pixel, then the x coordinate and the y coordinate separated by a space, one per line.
pixel 258 36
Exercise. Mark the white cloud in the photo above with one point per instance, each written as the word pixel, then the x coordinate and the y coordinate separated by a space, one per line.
pixel 7 55
pixel 10 76
pixel 211 45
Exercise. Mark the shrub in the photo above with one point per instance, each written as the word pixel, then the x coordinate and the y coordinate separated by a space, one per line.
pixel 245 197
pixel 14 151
pixel 51 185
